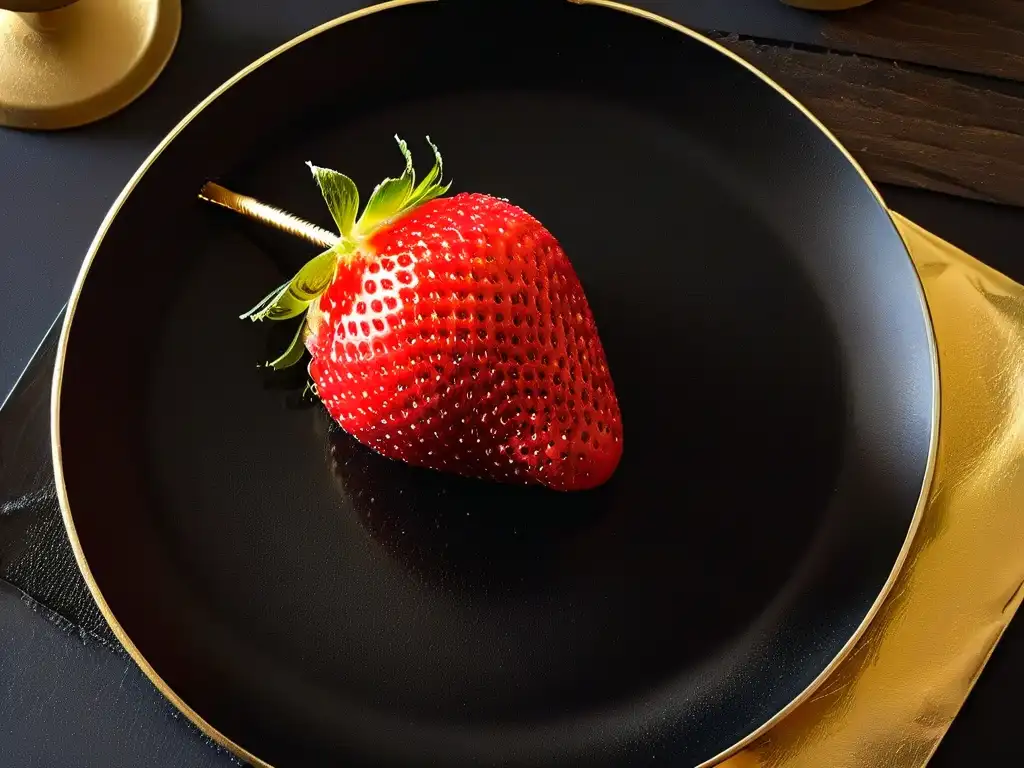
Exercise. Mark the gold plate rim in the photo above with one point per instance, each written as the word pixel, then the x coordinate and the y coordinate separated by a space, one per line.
pixel 62 495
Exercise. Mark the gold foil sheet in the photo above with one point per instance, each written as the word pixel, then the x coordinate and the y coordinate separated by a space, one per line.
pixel 893 698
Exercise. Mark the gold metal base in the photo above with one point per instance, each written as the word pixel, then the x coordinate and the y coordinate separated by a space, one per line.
pixel 75 65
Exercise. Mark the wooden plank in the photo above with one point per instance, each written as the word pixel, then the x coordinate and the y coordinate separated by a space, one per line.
pixel 980 36
pixel 909 125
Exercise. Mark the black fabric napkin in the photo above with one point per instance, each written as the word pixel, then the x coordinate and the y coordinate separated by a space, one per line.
pixel 71 695
pixel 35 554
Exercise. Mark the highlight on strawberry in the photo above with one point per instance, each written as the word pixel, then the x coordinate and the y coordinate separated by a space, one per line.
pixel 452 333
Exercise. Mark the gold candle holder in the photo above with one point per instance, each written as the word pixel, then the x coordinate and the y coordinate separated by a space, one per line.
pixel 65 63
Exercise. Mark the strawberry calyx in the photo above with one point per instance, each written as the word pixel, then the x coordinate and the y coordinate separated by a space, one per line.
pixel 390 200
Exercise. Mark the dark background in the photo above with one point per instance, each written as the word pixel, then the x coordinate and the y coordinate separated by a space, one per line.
pixel 66 698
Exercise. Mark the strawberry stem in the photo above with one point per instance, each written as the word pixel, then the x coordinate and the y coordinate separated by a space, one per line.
pixel 390 200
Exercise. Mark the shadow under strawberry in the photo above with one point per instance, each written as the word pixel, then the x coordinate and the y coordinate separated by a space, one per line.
pixel 460 532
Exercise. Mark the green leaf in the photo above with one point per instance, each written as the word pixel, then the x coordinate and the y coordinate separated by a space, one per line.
pixel 263 303
pixel 389 197
pixel 341 195
pixel 314 278
pixel 433 192
pixel 293 354
pixel 283 307
pixel 410 171
pixel 435 173
pixel 295 296
pixel 425 191
pixel 431 186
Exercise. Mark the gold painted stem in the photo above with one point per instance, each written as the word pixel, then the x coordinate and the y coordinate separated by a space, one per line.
pixel 259 211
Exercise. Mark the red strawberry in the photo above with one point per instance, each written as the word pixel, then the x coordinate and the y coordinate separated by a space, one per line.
pixel 453 333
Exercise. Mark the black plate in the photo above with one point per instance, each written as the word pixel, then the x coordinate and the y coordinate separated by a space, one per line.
pixel 318 605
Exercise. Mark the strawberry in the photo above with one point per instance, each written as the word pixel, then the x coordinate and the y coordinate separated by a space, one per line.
pixel 453 333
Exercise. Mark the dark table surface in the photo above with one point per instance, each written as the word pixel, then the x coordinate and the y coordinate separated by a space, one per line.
pixel 67 697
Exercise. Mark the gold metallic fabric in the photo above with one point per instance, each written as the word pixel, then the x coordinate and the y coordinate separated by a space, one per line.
pixel 892 699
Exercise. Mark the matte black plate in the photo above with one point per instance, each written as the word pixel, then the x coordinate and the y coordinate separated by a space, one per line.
pixel 318 605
